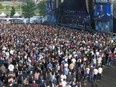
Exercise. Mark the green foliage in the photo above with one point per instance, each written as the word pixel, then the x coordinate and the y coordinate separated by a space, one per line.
pixel 41 7
pixel 12 11
pixel 1 7
pixel 7 7
pixel 18 7
pixel 28 9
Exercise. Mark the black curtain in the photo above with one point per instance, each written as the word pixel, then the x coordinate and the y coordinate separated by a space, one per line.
pixel 75 5
pixel 91 12
pixel 114 25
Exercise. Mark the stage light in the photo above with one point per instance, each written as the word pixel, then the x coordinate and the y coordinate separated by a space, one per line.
pixel 108 14
pixel 62 1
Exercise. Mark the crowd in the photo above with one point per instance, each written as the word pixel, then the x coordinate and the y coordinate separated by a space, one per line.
pixel 44 56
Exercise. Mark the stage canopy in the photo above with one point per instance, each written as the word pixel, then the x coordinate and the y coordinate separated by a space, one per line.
pixel 3 14
pixel 74 5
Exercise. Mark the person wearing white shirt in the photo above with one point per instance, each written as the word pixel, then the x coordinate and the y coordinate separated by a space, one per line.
pixel 94 61
pixel 4 48
pixel 97 53
pixel 11 68
pixel 64 83
pixel 95 72
pixel 62 77
pixel 12 52
pixel 7 55
pixel 73 60
pixel 87 71
pixel 99 61
pixel 100 70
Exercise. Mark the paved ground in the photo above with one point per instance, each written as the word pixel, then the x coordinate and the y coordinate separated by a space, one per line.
pixel 109 77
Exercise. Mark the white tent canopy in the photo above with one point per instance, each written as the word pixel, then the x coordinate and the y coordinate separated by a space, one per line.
pixel 16 14
pixel 3 14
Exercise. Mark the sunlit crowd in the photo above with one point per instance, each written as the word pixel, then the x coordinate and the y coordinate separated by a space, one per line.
pixel 46 56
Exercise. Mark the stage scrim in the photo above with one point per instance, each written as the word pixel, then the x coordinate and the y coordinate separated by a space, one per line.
pixel 102 15
pixel 75 13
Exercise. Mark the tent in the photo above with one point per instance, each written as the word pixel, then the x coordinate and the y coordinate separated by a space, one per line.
pixel 3 14
pixel 16 15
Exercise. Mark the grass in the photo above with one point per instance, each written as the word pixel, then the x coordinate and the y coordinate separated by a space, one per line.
pixel 6 8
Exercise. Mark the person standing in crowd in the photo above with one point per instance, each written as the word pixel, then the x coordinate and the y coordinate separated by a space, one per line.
pixel 44 56
pixel 100 71
pixel 95 72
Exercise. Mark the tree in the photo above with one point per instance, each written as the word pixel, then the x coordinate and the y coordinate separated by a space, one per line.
pixel 1 7
pixel 12 11
pixel 28 9
pixel 41 7
pixel 14 0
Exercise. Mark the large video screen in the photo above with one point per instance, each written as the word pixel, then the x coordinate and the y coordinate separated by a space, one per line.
pixel 104 26
pixel 102 12
pixel 103 1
